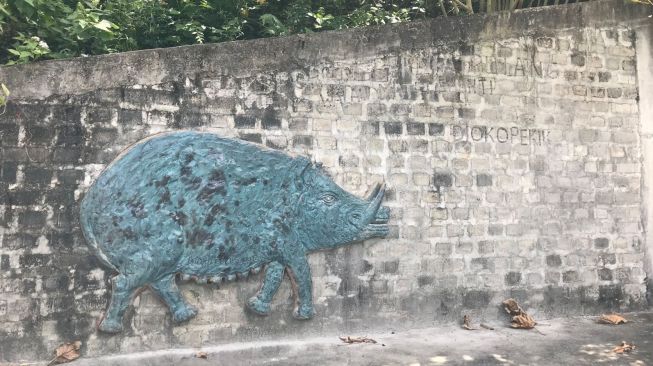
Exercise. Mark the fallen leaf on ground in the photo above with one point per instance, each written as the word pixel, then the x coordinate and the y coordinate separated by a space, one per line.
pixel 512 307
pixel 520 319
pixel 624 348
pixel 467 323
pixel 523 321
pixel 66 352
pixel 201 355
pixel 613 319
pixel 351 340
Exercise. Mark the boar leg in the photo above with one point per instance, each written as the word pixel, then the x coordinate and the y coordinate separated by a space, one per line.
pixel 260 304
pixel 122 290
pixel 302 283
pixel 167 289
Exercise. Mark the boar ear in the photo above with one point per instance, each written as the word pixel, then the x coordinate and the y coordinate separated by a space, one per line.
pixel 316 163
pixel 302 168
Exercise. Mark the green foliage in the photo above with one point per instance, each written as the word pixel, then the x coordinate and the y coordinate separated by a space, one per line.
pixel 33 30
pixel 41 29
pixel 27 49
pixel 273 26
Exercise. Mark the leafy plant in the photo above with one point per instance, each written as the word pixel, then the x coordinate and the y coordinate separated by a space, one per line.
pixel 273 26
pixel 27 49
pixel 88 31
pixel 32 30
pixel 41 29
pixel 322 20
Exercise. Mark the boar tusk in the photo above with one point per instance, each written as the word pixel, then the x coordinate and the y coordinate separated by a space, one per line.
pixel 374 192
pixel 375 203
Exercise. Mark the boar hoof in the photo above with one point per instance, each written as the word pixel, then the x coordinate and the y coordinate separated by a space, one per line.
pixel 184 314
pixel 110 326
pixel 257 306
pixel 303 312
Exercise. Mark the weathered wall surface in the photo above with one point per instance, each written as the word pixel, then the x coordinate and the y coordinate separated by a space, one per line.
pixel 510 145
pixel 644 54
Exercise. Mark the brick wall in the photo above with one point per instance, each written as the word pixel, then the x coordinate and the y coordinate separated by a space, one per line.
pixel 510 146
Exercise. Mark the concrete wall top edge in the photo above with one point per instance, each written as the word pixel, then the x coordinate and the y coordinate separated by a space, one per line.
pixel 149 67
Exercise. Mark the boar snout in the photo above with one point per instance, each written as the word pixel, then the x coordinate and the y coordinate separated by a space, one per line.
pixel 382 216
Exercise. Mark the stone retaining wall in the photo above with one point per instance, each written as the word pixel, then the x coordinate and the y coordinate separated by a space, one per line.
pixel 510 145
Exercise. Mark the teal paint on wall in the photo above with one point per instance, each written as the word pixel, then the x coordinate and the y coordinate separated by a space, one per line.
pixel 214 209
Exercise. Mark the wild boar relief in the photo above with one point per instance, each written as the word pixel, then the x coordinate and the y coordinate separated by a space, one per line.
pixel 213 209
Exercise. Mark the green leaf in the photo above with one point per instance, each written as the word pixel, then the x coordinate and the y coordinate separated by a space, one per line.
pixel 104 25
pixel 2 9
pixel 273 25
pixel 25 7
pixel 5 90
pixel 14 52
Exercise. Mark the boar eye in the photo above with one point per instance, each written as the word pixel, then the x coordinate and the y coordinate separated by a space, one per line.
pixel 329 198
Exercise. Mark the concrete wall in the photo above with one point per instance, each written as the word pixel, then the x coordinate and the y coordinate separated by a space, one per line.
pixel 644 54
pixel 513 147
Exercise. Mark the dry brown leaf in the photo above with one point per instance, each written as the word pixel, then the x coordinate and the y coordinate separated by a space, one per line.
pixel 523 321
pixel 613 319
pixel 624 348
pixel 467 323
pixel 201 354
pixel 512 307
pixel 351 340
pixel 66 352
pixel 520 319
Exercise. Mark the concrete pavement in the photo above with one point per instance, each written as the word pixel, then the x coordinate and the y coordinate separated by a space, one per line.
pixel 561 341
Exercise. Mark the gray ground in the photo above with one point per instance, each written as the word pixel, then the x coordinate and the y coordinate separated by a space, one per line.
pixel 562 341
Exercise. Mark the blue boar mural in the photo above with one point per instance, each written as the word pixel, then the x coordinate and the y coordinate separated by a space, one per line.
pixel 213 209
